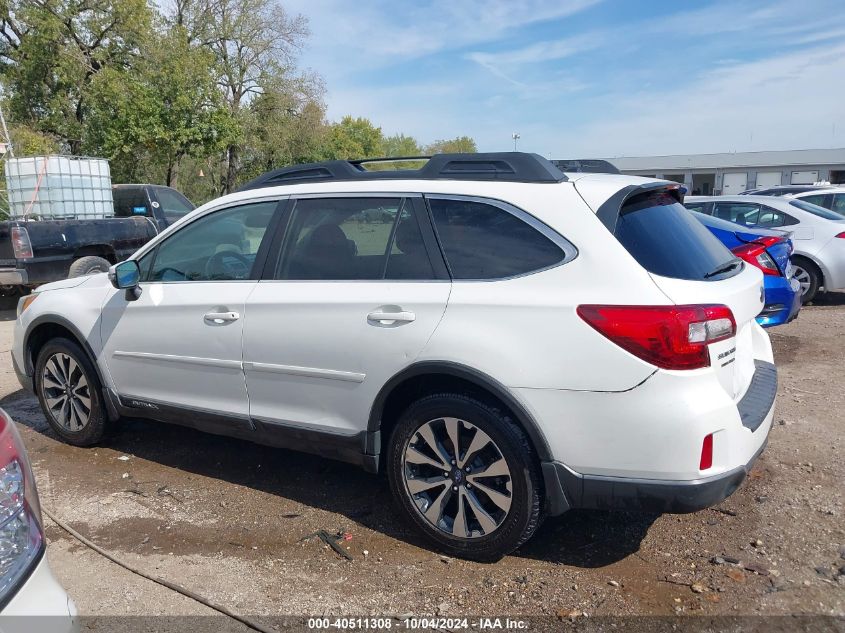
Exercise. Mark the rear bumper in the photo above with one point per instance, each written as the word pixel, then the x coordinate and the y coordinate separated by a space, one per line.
pixel 594 492
pixel 39 606
pixel 13 277
pixel 628 454
pixel 783 301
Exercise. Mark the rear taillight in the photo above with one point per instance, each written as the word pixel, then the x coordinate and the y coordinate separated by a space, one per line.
pixel 670 337
pixel 842 235
pixel 21 535
pixel 21 245
pixel 755 254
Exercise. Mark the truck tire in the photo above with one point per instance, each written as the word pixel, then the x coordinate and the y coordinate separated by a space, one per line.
pixel 88 265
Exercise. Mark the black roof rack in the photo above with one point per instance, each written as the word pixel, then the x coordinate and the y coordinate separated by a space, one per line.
pixel 586 165
pixel 503 166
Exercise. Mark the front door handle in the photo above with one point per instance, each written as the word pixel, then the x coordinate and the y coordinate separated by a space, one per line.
pixel 221 317
pixel 389 318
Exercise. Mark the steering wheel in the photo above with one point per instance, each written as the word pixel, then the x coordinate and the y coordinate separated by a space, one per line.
pixel 221 266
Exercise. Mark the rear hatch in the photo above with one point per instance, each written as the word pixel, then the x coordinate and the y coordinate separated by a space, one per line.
pixel 692 267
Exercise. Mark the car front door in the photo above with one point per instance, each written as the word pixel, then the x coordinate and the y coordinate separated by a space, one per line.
pixel 175 352
pixel 357 291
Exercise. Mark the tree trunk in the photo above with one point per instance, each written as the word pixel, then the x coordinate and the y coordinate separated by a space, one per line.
pixel 232 156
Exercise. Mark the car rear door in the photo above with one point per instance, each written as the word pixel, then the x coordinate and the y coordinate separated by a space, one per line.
pixel 357 290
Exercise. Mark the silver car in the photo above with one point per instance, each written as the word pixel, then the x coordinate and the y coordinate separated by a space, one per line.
pixel 818 234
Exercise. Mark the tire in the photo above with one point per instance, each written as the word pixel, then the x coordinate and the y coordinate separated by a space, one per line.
pixel 67 357
pixel 506 519
pixel 809 276
pixel 88 265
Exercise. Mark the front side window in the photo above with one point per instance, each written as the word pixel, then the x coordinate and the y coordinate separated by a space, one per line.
pixel 482 241
pixel 221 246
pixel 335 239
pixel 821 212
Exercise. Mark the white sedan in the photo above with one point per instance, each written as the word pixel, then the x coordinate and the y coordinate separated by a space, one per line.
pixel 818 234
pixel 832 198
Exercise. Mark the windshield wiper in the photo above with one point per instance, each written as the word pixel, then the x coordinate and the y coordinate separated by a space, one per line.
pixel 724 268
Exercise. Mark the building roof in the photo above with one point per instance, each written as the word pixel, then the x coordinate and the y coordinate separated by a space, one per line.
pixel 730 159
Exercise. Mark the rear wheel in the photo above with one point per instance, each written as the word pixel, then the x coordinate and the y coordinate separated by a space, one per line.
pixel 465 475
pixel 68 389
pixel 809 276
pixel 88 265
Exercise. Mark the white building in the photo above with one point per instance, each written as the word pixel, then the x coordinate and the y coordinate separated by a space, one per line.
pixel 731 173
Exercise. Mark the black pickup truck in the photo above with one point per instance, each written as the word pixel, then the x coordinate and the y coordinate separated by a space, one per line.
pixel 35 252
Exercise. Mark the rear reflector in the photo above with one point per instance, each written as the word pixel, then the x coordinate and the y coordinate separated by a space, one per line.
pixel 706 453
pixel 670 337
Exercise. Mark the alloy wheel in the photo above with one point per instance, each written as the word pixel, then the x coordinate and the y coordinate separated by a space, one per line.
pixel 66 392
pixel 457 478
pixel 803 278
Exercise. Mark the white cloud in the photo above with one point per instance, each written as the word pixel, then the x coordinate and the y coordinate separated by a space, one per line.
pixel 781 102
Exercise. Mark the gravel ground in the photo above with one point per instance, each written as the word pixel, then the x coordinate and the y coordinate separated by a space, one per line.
pixel 226 518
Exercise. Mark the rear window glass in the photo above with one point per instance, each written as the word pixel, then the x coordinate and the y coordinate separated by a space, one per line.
pixel 482 241
pixel 667 240
pixel 815 209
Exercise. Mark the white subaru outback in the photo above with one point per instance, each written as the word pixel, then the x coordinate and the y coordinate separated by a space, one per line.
pixel 505 340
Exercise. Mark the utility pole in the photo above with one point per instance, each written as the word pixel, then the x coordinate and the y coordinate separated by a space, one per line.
pixel 515 136
pixel 8 152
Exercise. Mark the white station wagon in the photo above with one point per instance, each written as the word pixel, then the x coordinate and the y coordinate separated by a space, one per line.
pixel 504 340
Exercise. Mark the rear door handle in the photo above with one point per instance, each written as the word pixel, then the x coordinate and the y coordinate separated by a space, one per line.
pixel 388 318
pixel 221 317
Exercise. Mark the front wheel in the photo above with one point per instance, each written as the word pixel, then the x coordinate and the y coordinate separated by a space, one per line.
pixel 465 475
pixel 68 389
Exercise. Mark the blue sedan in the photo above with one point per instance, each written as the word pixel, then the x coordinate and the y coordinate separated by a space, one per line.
pixel 769 251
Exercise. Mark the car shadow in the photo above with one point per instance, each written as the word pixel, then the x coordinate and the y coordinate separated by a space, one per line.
pixel 829 299
pixel 580 539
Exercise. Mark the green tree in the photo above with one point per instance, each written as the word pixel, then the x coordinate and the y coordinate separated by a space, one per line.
pixel 165 108
pixel 51 51
pixel 458 145
pixel 255 43
pixel 354 137
pixel 401 145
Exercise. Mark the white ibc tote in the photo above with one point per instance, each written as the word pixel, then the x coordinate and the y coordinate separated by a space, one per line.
pixel 59 187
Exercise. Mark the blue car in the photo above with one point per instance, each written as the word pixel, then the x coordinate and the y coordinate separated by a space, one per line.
pixel 769 251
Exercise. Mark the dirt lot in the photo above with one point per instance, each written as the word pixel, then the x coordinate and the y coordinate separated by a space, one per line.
pixel 226 518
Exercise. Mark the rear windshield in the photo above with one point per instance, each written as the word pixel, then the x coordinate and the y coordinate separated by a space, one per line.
pixel 816 210
pixel 667 240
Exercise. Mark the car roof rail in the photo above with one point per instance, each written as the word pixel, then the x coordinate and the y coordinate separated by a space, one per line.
pixel 493 166
pixel 586 165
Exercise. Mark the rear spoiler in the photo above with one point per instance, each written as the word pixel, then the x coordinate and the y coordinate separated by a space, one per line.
pixel 608 212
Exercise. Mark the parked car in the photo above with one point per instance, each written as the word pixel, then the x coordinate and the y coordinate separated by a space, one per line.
pixel 39 251
pixel 27 586
pixel 781 190
pixel 505 341
pixel 769 251
pixel 818 235
pixel 832 198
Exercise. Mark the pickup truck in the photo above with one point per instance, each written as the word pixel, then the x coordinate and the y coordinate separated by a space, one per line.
pixel 35 252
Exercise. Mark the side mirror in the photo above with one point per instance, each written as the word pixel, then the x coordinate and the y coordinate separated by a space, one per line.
pixel 126 276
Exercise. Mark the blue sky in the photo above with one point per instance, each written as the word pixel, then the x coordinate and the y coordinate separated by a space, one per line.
pixel 586 78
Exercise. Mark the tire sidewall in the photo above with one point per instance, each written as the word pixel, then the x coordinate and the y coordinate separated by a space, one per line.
pixel 88 265
pixel 815 281
pixel 93 431
pixel 507 438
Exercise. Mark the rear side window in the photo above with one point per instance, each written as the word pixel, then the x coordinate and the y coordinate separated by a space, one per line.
pixel 667 240
pixel 129 201
pixel 819 200
pixel 483 241
pixel 739 212
pixel 695 206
